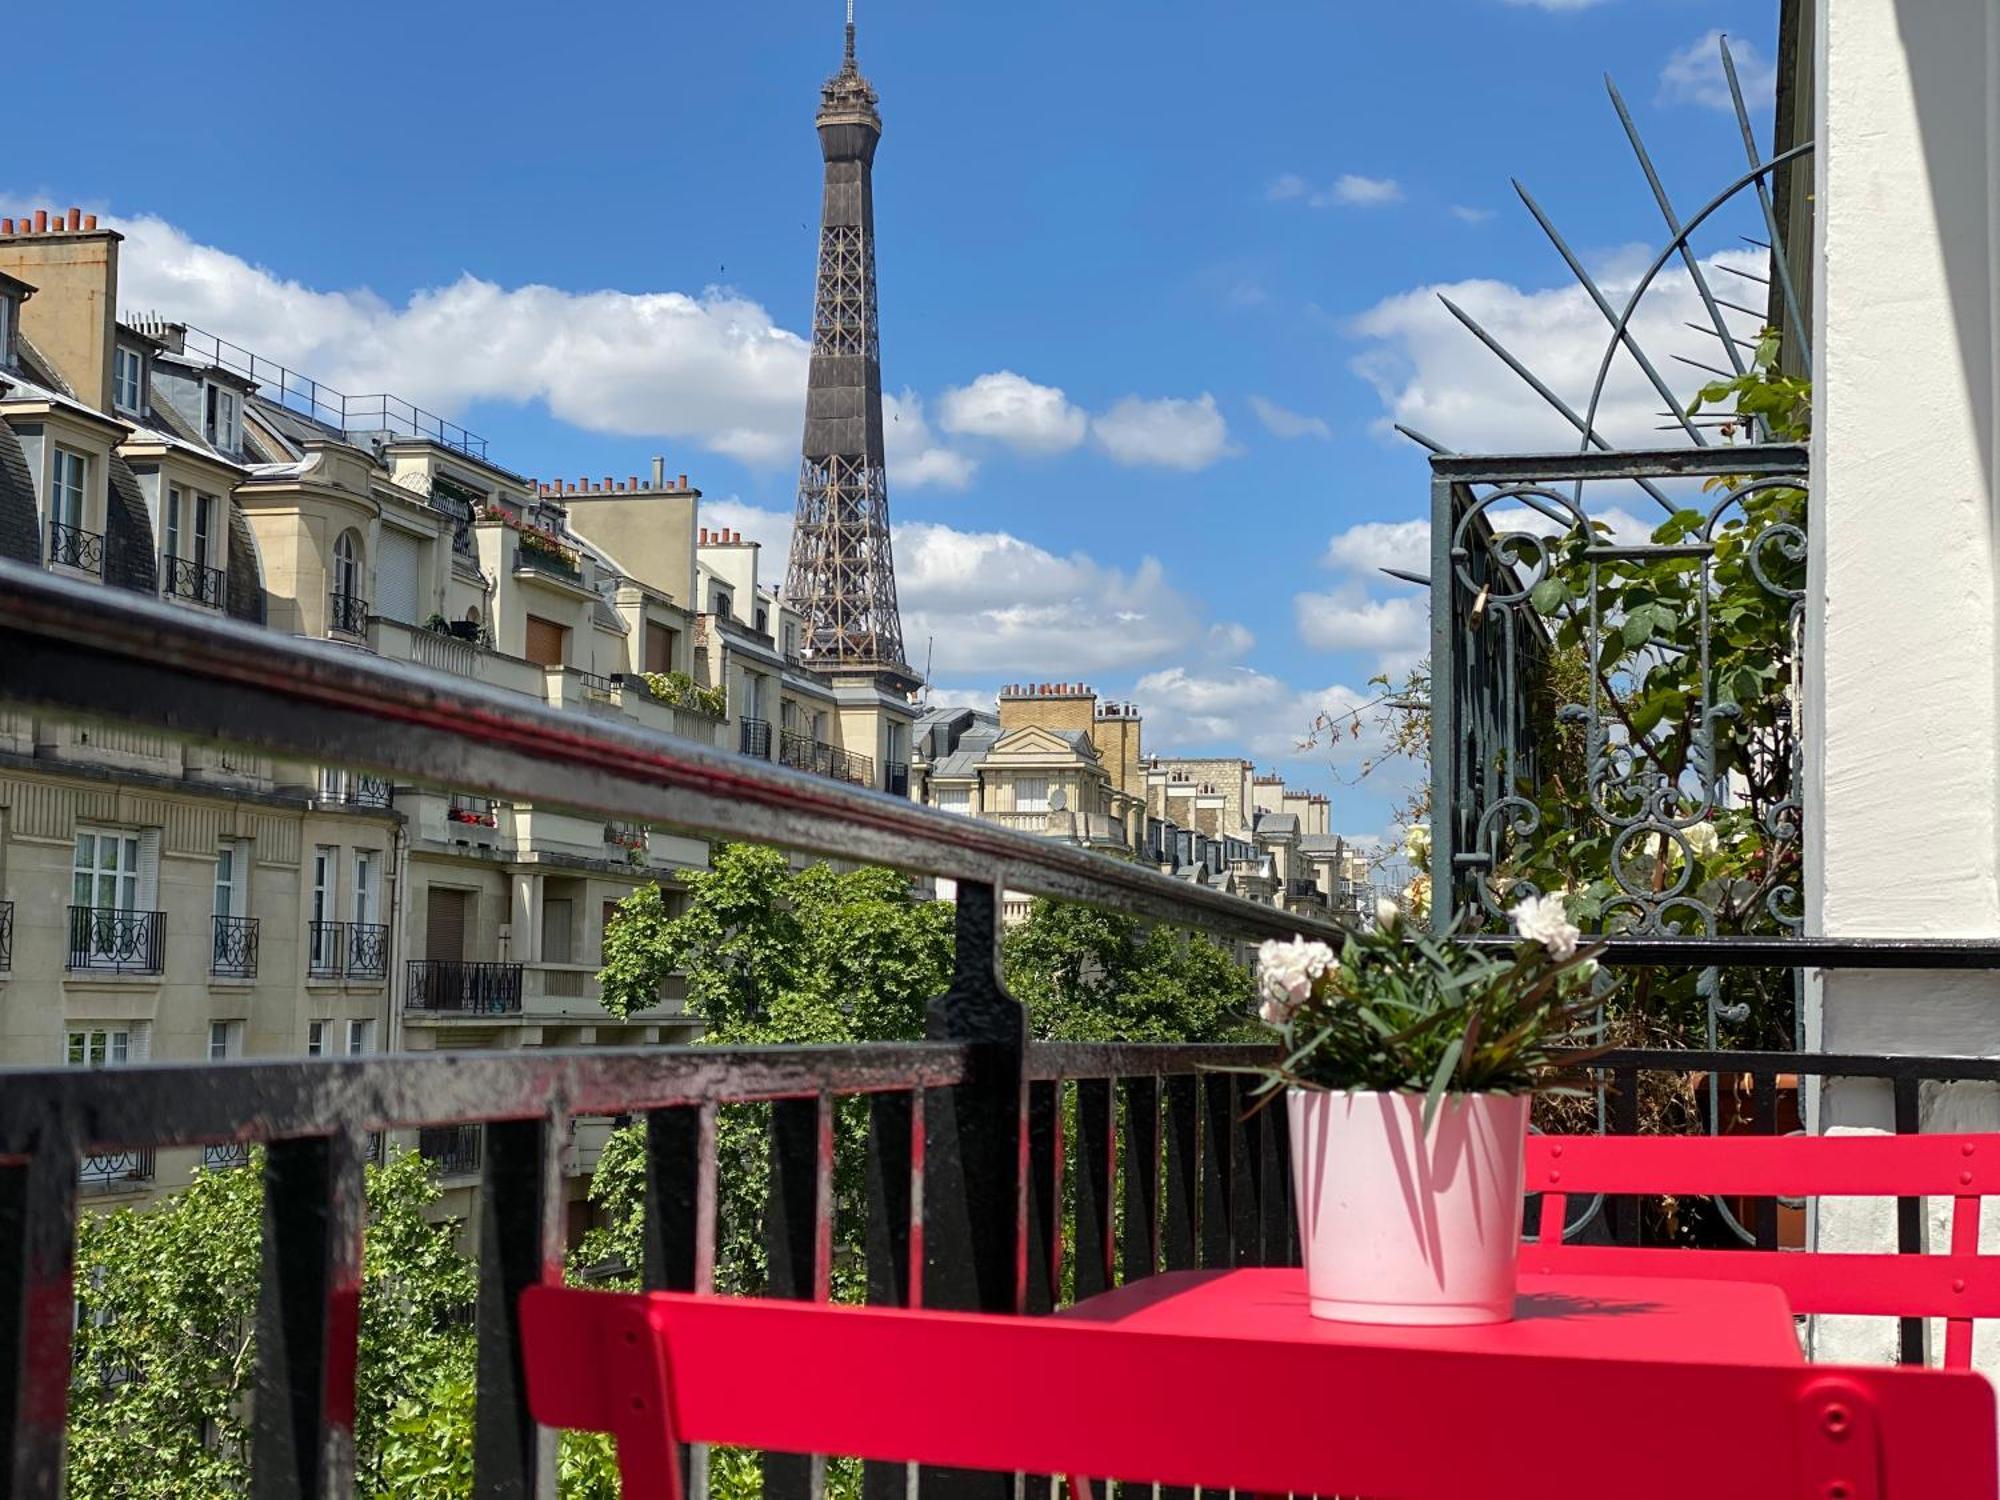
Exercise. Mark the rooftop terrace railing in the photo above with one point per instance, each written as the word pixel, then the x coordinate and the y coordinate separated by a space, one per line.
pixel 1002 1175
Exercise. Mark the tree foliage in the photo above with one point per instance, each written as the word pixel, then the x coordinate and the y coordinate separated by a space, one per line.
pixel 166 1341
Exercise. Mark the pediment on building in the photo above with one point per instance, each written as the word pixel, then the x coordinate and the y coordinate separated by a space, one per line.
pixel 1033 742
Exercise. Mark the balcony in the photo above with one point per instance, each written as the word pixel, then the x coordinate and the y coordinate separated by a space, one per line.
pixel 184 578
pixel 355 789
pixel 73 547
pixel 450 986
pixel 754 737
pixel 346 614
pixel 326 949
pixel 106 1171
pixel 896 778
pixel 6 936
pixel 452 1149
pixel 226 1157
pixel 111 941
pixel 234 951
pixel 367 951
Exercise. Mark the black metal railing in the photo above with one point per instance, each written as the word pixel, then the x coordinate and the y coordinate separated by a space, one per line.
pixel 754 737
pixel 326 949
pixel 858 770
pixel 112 1169
pixel 346 614
pixel 452 1149
pixel 452 986
pixel 225 1156
pixel 185 578
pixel 74 547
pixel 796 750
pixel 356 788
pixel 234 953
pixel 896 777
pixel 367 950
pixel 534 559
pixel 6 936
pixel 1033 1172
pixel 123 942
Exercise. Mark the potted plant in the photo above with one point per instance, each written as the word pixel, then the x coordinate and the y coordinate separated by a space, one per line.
pixel 1408 1064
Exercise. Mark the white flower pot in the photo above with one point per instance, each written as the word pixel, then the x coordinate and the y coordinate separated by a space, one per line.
pixel 1400 1227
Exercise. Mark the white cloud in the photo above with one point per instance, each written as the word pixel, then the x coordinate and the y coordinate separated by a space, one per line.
pixel 1370 546
pixel 1280 422
pixel 997 604
pixel 1014 410
pixel 1693 75
pixel 773 528
pixel 1169 433
pixel 1228 639
pixel 1395 628
pixel 1361 192
pixel 914 457
pixel 711 369
pixel 1432 375
pixel 1288 186
pixel 1470 215
pixel 1251 713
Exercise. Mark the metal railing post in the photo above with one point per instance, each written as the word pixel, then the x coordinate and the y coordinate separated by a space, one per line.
pixel 975 1252
pixel 520 1244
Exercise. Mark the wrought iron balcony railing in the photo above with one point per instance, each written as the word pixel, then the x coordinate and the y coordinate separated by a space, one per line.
pixel 367 950
pixel 74 547
pixel 113 1169
pixel 451 986
pixel 115 940
pixel 184 578
pixel 346 614
pixel 234 955
pixel 754 737
pixel 225 1157
pixel 453 1149
pixel 858 770
pixel 896 778
pixel 326 949
pixel 6 936
pixel 966 1134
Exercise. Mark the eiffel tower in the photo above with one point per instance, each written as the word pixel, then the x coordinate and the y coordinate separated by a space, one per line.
pixel 842 576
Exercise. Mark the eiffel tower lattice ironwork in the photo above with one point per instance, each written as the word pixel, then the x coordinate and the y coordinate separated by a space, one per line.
pixel 842 574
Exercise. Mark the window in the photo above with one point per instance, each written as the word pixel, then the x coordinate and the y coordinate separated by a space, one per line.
pixel 1031 794
pixel 105 872
pixel 102 1046
pixel 659 647
pixel 225 1040
pixel 204 512
pixel 323 940
pixel 956 799
pixel 718 602
pixel 316 1038
pixel 6 330
pixel 546 641
pixel 347 565
pixel 128 378
pixel 227 890
pixel 360 1038
pixel 791 638
pixel 176 507
pixel 220 419
pixel 66 489
pixel 364 885
pixel 763 621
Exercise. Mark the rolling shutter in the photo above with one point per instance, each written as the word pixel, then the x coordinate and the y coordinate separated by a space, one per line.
pixel 444 924
pixel 397 562
pixel 545 641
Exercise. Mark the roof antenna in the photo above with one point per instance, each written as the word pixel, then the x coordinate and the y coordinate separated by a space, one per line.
pixel 848 60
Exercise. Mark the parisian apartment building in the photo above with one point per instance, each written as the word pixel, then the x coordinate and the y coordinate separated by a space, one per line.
pixel 1053 759
pixel 161 901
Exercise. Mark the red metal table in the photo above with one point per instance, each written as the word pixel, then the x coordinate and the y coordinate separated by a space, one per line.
pixel 1222 1379
pixel 1564 1317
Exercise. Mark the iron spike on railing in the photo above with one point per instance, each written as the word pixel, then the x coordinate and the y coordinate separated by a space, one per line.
pixel 1794 314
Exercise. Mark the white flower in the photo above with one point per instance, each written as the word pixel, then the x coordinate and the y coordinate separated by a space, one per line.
pixel 1387 913
pixel 1417 843
pixel 1702 838
pixel 1285 975
pixel 1542 919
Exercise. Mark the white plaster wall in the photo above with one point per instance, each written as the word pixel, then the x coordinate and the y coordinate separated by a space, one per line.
pixel 1903 680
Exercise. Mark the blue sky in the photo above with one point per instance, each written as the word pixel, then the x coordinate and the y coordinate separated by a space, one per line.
pixel 1189 248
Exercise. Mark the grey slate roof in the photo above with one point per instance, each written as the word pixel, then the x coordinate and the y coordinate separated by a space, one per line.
pixel 20 525
pixel 245 599
pixel 971 752
pixel 1277 823
pixel 128 533
pixel 1320 843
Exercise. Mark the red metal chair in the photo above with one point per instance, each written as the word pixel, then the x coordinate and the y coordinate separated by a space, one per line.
pixel 1074 1396
pixel 1957 1287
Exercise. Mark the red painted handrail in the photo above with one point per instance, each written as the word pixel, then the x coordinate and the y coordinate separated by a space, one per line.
pixel 1959 1286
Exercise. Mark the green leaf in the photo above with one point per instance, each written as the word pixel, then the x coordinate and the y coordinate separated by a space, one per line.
pixel 1440 1079
pixel 1548 596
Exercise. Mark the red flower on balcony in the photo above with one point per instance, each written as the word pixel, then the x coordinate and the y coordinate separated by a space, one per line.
pixel 472 815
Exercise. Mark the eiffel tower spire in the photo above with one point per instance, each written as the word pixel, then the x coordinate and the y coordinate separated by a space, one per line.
pixel 841 574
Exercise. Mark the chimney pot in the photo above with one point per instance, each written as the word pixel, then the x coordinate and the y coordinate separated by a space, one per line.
pixel 659 472
pixel 6 226
pixel 75 217
pixel 90 221
pixel 683 483
pixel 704 534
pixel 632 483
pixel 41 221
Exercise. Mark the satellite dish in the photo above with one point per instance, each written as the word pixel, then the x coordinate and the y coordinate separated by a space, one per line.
pixel 1058 800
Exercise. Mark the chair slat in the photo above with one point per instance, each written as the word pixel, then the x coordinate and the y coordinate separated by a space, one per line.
pixel 1865 1166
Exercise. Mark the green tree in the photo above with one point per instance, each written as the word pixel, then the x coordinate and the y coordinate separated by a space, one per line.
pixel 1096 976
pixel 166 1339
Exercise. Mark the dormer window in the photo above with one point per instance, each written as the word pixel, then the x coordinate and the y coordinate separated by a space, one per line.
pixel 128 380
pixel 6 330
pixel 763 621
pixel 718 602
pixel 221 419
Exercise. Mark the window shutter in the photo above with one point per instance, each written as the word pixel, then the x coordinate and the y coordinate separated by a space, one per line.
pixel 659 647
pixel 149 869
pixel 139 1045
pixel 556 917
pixel 397 564
pixel 444 923
pixel 545 641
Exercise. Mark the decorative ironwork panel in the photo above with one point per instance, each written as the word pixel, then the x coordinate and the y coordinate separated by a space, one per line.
pixel 452 1149
pixel 226 1157
pixel 74 547
pixel 123 942
pixel 367 950
pixel 347 614
pixel 453 985
pixel 754 737
pixel 188 579
pixel 326 949
pixel 234 955
pixel 106 1169
pixel 6 936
